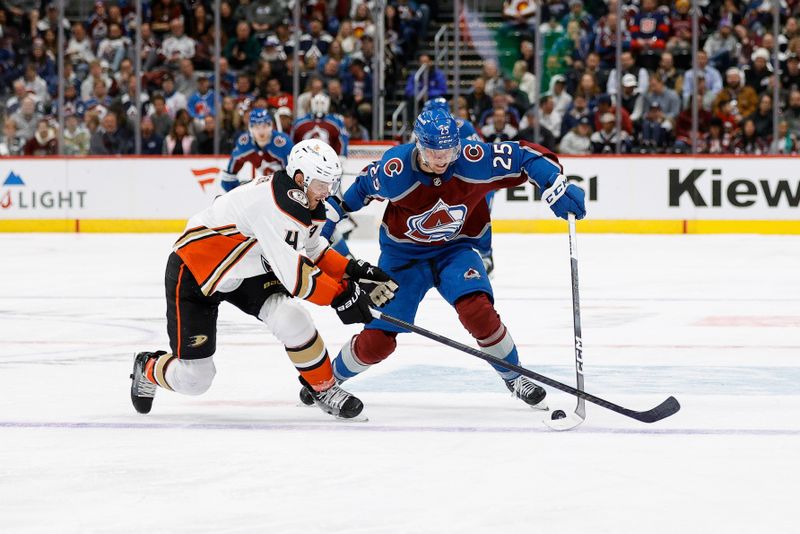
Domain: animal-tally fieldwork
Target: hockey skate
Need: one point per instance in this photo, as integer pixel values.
(488, 264)
(531, 394)
(142, 390)
(334, 401)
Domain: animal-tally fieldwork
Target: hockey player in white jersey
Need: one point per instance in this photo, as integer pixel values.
(260, 248)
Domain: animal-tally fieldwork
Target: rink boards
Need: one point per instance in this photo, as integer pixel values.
(644, 194)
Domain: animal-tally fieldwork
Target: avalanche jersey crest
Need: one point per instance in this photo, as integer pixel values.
(440, 223)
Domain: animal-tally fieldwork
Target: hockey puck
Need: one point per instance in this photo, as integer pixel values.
(558, 414)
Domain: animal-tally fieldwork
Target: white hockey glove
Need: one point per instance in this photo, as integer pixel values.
(373, 280)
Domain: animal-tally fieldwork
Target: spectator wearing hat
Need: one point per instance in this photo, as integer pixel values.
(110, 139)
(152, 143)
(722, 46)
(578, 139)
(629, 67)
(735, 90)
(757, 74)
(284, 120)
(713, 79)
(656, 129)
(562, 100)
(527, 131)
(604, 140)
(630, 99)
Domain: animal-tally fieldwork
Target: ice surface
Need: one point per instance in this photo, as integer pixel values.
(713, 320)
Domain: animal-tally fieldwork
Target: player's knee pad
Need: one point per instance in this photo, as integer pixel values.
(373, 346)
(191, 377)
(288, 320)
(476, 312)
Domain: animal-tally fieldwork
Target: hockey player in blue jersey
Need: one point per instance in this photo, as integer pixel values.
(264, 148)
(436, 216)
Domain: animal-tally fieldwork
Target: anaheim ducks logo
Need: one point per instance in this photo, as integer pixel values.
(440, 223)
(298, 196)
(196, 341)
(473, 153)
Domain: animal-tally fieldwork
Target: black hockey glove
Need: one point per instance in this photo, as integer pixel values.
(352, 304)
(373, 280)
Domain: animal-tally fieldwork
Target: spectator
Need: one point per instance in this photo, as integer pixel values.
(498, 130)
(437, 81)
(547, 114)
(604, 141)
(578, 110)
(683, 123)
(43, 142)
(528, 131)
(160, 115)
(722, 46)
(747, 141)
(680, 40)
(276, 96)
(76, 136)
(520, 16)
(314, 86)
(762, 117)
(114, 47)
(717, 140)
(11, 142)
(152, 143)
(712, 77)
(283, 119)
(588, 89)
(340, 102)
(500, 100)
(792, 112)
(758, 73)
(604, 107)
(655, 130)
(264, 15)
(109, 139)
(478, 100)
(35, 84)
(201, 103)
(162, 15)
(186, 79)
(650, 29)
(179, 142)
(605, 42)
(243, 49)
(358, 82)
(578, 139)
(526, 80)
(629, 67)
(316, 42)
(24, 15)
(671, 76)
(668, 100)
(96, 72)
(178, 45)
(15, 101)
(735, 90)
(790, 77)
(631, 100)
(786, 142)
(175, 101)
(26, 118)
(492, 77)
(205, 137)
(355, 131)
(561, 98)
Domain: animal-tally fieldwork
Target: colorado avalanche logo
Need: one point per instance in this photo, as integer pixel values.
(279, 141)
(440, 223)
(393, 167)
(473, 153)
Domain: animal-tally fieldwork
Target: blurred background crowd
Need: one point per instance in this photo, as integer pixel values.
(568, 96)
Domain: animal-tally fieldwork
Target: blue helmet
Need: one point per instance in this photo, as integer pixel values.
(436, 103)
(260, 116)
(437, 136)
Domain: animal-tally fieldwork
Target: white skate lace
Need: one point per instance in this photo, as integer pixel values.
(522, 387)
(144, 388)
(334, 397)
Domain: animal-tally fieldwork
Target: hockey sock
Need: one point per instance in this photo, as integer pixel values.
(501, 346)
(477, 314)
(364, 350)
(156, 369)
(346, 365)
(311, 360)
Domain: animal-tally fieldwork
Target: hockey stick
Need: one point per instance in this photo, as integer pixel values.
(662, 411)
(580, 410)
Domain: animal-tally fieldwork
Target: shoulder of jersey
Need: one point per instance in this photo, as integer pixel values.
(473, 151)
(244, 140)
(292, 201)
(281, 140)
(396, 169)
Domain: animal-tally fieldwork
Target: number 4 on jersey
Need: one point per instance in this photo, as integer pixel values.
(291, 238)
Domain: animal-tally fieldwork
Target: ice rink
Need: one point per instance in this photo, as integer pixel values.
(713, 320)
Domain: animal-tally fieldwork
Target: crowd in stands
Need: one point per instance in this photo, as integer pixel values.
(178, 115)
(578, 98)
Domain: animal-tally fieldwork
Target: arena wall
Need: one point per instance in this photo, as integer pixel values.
(646, 194)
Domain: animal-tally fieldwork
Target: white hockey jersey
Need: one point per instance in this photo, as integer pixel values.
(259, 227)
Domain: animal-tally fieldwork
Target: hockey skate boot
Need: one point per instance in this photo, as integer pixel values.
(531, 394)
(488, 264)
(305, 396)
(334, 401)
(142, 389)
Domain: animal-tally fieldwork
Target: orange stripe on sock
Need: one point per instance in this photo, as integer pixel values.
(320, 378)
(178, 308)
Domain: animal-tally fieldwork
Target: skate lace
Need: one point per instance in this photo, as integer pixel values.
(523, 388)
(144, 388)
(334, 397)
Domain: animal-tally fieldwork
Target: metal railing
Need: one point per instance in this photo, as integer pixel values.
(400, 117)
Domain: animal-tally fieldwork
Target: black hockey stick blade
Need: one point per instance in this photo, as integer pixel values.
(662, 411)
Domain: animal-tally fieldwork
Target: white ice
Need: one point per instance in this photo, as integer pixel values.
(713, 320)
